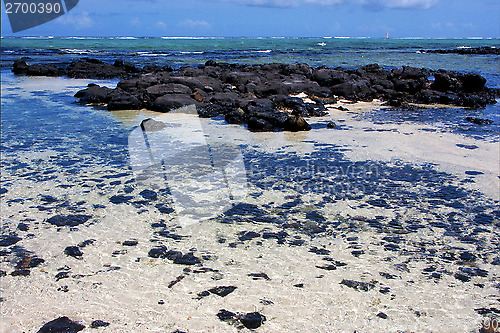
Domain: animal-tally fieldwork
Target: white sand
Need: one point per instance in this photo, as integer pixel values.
(128, 298)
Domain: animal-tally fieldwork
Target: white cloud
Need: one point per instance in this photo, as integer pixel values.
(194, 24)
(418, 4)
(78, 21)
(135, 22)
(161, 25)
(410, 4)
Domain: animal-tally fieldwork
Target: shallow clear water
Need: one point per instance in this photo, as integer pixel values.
(403, 199)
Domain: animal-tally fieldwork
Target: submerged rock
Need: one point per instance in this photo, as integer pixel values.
(68, 220)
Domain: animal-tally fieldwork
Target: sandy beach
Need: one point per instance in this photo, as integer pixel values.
(362, 227)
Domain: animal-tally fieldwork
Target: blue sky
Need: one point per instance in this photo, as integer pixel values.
(254, 18)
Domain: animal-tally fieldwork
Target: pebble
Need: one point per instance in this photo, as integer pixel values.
(99, 323)
(252, 320)
(382, 315)
(259, 276)
(363, 286)
(462, 277)
(248, 235)
(130, 243)
(73, 251)
(225, 315)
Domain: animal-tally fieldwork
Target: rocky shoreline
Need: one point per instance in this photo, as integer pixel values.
(259, 95)
(466, 50)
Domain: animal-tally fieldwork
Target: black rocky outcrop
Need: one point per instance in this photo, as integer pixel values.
(259, 95)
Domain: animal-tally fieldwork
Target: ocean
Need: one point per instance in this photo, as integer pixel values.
(326, 51)
(388, 222)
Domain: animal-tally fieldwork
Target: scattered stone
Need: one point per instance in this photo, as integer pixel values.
(248, 235)
(219, 291)
(471, 147)
(462, 277)
(68, 220)
(176, 256)
(119, 199)
(225, 315)
(99, 323)
(27, 261)
(474, 271)
(21, 272)
(388, 276)
(86, 243)
(130, 243)
(467, 256)
(382, 315)
(319, 251)
(177, 280)
(259, 276)
(362, 286)
(8, 240)
(23, 227)
(327, 267)
(252, 320)
(73, 251)
(62, 275)
(222, 291)
(61, 325)
(385, 290)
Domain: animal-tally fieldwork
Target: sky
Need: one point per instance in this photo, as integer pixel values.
(273, 18)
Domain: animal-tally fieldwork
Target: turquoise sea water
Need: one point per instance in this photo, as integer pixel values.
(331, 52)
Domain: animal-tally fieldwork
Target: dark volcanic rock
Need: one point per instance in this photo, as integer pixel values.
(225, 315)
(94, 94)
(259, 276)
(176, 256)
(258, 95)
(61, 325)
(99, 323)
(8, 240)
(363, 286)
(169, 88)
(248, 235)
(252, 320)
(222, 291)
(73, 251)
(171, 102)
(124, 101)
(68, 220)
(479, 121)
(467, 51)
(21, 272)
(151, 125)
(219, 291)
